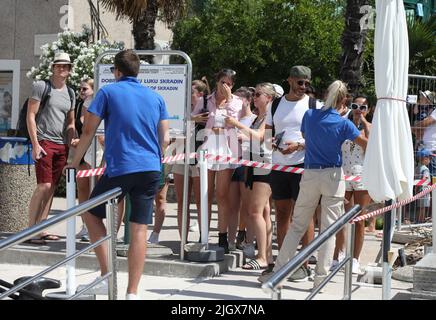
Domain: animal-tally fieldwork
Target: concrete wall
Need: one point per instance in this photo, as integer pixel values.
(28, 24)
(20, 21)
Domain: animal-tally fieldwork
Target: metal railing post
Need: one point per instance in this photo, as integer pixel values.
(387, 270)
(71, 233)
(202, 162)
(276, 294)
(433, 211)
(111, 248)
(348, 280)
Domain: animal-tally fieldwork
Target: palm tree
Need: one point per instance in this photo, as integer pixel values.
(353, 45)
(422, 48)
(143, 15)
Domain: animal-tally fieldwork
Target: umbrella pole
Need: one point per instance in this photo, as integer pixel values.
(387, 270)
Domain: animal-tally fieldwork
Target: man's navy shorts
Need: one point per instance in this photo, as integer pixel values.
(141, 187)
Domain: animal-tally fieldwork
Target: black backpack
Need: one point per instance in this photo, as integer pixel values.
(22, 118)
(275, 105)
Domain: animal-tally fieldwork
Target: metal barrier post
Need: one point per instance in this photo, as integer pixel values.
(387, 270)
(111, 248)
(348, 280)
(71, 233)
(276, 294)
(204, 197)
(400, 218)
(433, 219)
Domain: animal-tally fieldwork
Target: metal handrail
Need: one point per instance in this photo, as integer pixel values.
(271, 285)
(77, 210)
(67, 214)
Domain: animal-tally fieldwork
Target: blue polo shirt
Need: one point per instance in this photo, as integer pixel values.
(324, 132)
(131, 114)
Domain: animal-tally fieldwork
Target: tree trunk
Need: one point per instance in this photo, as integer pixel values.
(144, 28)
(353, 44)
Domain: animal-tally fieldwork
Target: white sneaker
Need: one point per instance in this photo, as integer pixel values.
(99, 288)
(249, 251)
(356, 266)
(82, 232)
(341, 257)
(131, 296)
(194, 227)
(154, 238)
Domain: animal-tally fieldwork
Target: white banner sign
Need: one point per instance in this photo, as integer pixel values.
(167, 80)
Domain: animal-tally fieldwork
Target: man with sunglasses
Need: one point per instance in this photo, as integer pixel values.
(285, 118)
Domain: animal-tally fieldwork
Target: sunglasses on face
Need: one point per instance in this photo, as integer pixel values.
(355, 106)
(83, 89)
(112, 69)
(258, 94)
(302, 82)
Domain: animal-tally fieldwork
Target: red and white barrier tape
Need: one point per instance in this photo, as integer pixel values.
(100, 171)
(242, 162)
(395, 205)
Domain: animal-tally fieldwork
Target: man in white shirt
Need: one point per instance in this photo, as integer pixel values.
(286, 117)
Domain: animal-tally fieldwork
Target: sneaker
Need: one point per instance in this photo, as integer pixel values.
(85, 238)
(232, 246)
(154, 238)
(99, 288)
(240, 238)
(300, 275)
(341, 257)
(356, 266)
(312, 260)
(82, 232)
(194, 227)
(249, 251)
(132, 296)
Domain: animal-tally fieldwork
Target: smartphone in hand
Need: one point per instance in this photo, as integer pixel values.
(278, 139)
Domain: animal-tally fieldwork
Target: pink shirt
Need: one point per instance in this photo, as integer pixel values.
(232, 108)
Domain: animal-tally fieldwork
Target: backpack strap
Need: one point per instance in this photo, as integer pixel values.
(71, 94)
(274, 106)
(45, 95)
(312, 103)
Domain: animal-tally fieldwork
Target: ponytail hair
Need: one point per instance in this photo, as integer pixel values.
(337, 91)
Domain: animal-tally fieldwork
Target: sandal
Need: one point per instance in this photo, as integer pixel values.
(50, 237)
(253, 265)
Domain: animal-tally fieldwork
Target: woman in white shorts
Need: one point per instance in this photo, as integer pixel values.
(352, 164)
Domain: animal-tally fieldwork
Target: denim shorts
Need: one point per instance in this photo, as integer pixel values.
(140, 186)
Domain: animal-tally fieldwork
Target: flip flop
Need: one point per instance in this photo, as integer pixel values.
(50, 237)
(253, 265)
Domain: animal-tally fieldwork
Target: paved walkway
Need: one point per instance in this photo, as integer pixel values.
(234, 284)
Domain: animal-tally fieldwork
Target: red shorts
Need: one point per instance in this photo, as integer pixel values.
(49, 168)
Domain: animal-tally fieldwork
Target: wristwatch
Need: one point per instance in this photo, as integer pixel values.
(300, 147)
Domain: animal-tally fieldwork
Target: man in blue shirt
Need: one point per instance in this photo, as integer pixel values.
(324, 131)
(136, 133)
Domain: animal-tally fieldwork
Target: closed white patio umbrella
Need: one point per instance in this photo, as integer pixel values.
(389, 166)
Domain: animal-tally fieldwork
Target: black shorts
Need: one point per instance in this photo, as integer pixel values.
(238, 175)
(141, 187)
(256, 175)
(285, 185)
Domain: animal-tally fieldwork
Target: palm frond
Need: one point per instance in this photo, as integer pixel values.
(170, 10)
